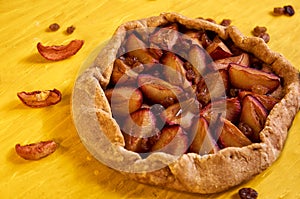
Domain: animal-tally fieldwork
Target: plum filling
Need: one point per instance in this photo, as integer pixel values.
(180, 90)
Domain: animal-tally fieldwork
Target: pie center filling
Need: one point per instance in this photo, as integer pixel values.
(181, 90)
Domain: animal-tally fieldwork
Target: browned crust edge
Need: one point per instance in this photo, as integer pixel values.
(190, 172)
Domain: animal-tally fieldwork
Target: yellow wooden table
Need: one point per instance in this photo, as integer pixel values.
(71, 172)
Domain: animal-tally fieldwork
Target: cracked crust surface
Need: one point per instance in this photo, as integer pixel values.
(190, 172)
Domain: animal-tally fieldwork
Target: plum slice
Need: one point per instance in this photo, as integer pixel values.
(197, 57)
(267, 101)
(253, 117)
(173, 69)
(173, 140)
(123, 73)
(181, 113)
(252, 79)
(140, 131)
(212, 86)
(242, 59)
(124, 100)
(231, 107)
(165, 37)
(203, 143)
(158, 91)
(231, 136)
(218, 50)
(137, 48)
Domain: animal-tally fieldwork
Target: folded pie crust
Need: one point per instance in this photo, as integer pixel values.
(190, 172)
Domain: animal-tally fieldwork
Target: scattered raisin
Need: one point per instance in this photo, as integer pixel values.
(54, 27)
(285, 10)
(289, 10)
(259, 30)
(225, 22)
(278, 11)
(70, 29)
(248, 193)
(265, 37)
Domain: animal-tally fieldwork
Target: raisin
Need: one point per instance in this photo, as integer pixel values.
(54, 27)
(278, 11)
(258, 30)
(233, 92)
(261, 32)
(225, 22)
(248, 193)
(289, 10)
(265, 37)
(70, 29)
(190, 75)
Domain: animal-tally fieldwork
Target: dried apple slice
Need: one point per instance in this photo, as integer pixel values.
(158, 91)
(202, 143)
(254, 116)
(231, 107)
(267, 101)
(38, 99)
(57, 53)
(242, 59)
(36, 151)
(137, 48)
(139, 130)
(218, 50)
(124, 100)
(231, 136)
(252, 79)
(173, 140)
(174, 71)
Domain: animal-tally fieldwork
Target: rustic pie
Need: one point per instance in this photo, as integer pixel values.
(186, 104)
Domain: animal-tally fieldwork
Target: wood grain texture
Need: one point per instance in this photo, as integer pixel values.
(71, 172)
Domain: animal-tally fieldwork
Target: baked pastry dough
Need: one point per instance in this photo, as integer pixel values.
(190, 172)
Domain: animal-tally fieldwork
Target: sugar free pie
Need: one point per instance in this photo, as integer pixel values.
(186, 104)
